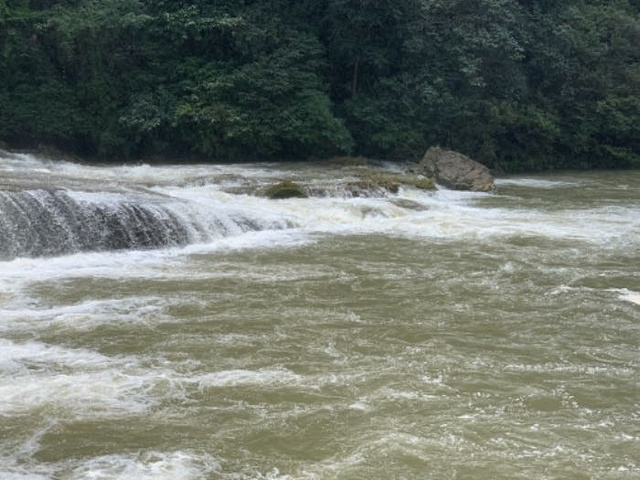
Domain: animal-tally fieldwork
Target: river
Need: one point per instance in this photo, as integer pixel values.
(160, 322)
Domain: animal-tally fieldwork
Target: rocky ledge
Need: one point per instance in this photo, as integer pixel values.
(365, 183)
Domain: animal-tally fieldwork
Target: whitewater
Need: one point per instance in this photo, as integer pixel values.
(168, 321)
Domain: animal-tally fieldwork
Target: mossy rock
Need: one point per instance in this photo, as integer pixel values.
(376, 182)
(409, 204)
(385, 181)
(421, 183)
(373, 184)
(285, 189)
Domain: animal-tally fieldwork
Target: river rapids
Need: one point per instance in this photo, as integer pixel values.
(168, 322)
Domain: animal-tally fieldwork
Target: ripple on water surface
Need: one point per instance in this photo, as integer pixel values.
(485, 337)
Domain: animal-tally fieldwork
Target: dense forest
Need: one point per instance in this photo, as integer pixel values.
(516, 84)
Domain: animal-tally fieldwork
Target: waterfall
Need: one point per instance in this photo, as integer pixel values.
(40, 222)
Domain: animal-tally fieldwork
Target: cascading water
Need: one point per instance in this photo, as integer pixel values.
(47, 222)
(170, 323)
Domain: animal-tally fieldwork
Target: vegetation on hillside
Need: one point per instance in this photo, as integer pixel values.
(515, 84)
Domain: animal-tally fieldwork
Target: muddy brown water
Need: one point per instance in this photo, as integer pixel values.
(484, 336)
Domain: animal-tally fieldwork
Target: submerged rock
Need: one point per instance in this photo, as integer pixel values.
(409, 204)
(456, 171)
(285, 189)
(364, 183)
(373, 184)
(377, 183)
(419, 182)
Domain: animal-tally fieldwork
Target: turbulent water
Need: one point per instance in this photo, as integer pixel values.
(165, 322)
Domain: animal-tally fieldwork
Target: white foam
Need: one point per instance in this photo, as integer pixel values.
(233, 378)
(141, 175)
(178, 465)
(85, 315)
(85, 395)
(623, 293)
(535, 183)
(7, 475)
(166, 263)
(37, 376)
(25, 357)
(99, 197)
(632, 297)
(146, 465)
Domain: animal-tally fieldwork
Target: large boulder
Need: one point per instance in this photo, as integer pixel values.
(455, 171)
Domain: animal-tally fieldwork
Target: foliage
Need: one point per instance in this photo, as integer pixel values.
(518, 85)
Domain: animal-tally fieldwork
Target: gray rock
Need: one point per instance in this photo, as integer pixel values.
(455, 171)
(409, 204)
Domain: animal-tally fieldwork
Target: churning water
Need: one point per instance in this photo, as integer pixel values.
(164, 322)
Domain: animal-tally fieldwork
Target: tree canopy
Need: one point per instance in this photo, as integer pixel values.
(516, 84)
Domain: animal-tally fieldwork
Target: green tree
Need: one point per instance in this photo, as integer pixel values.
(517, 84)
